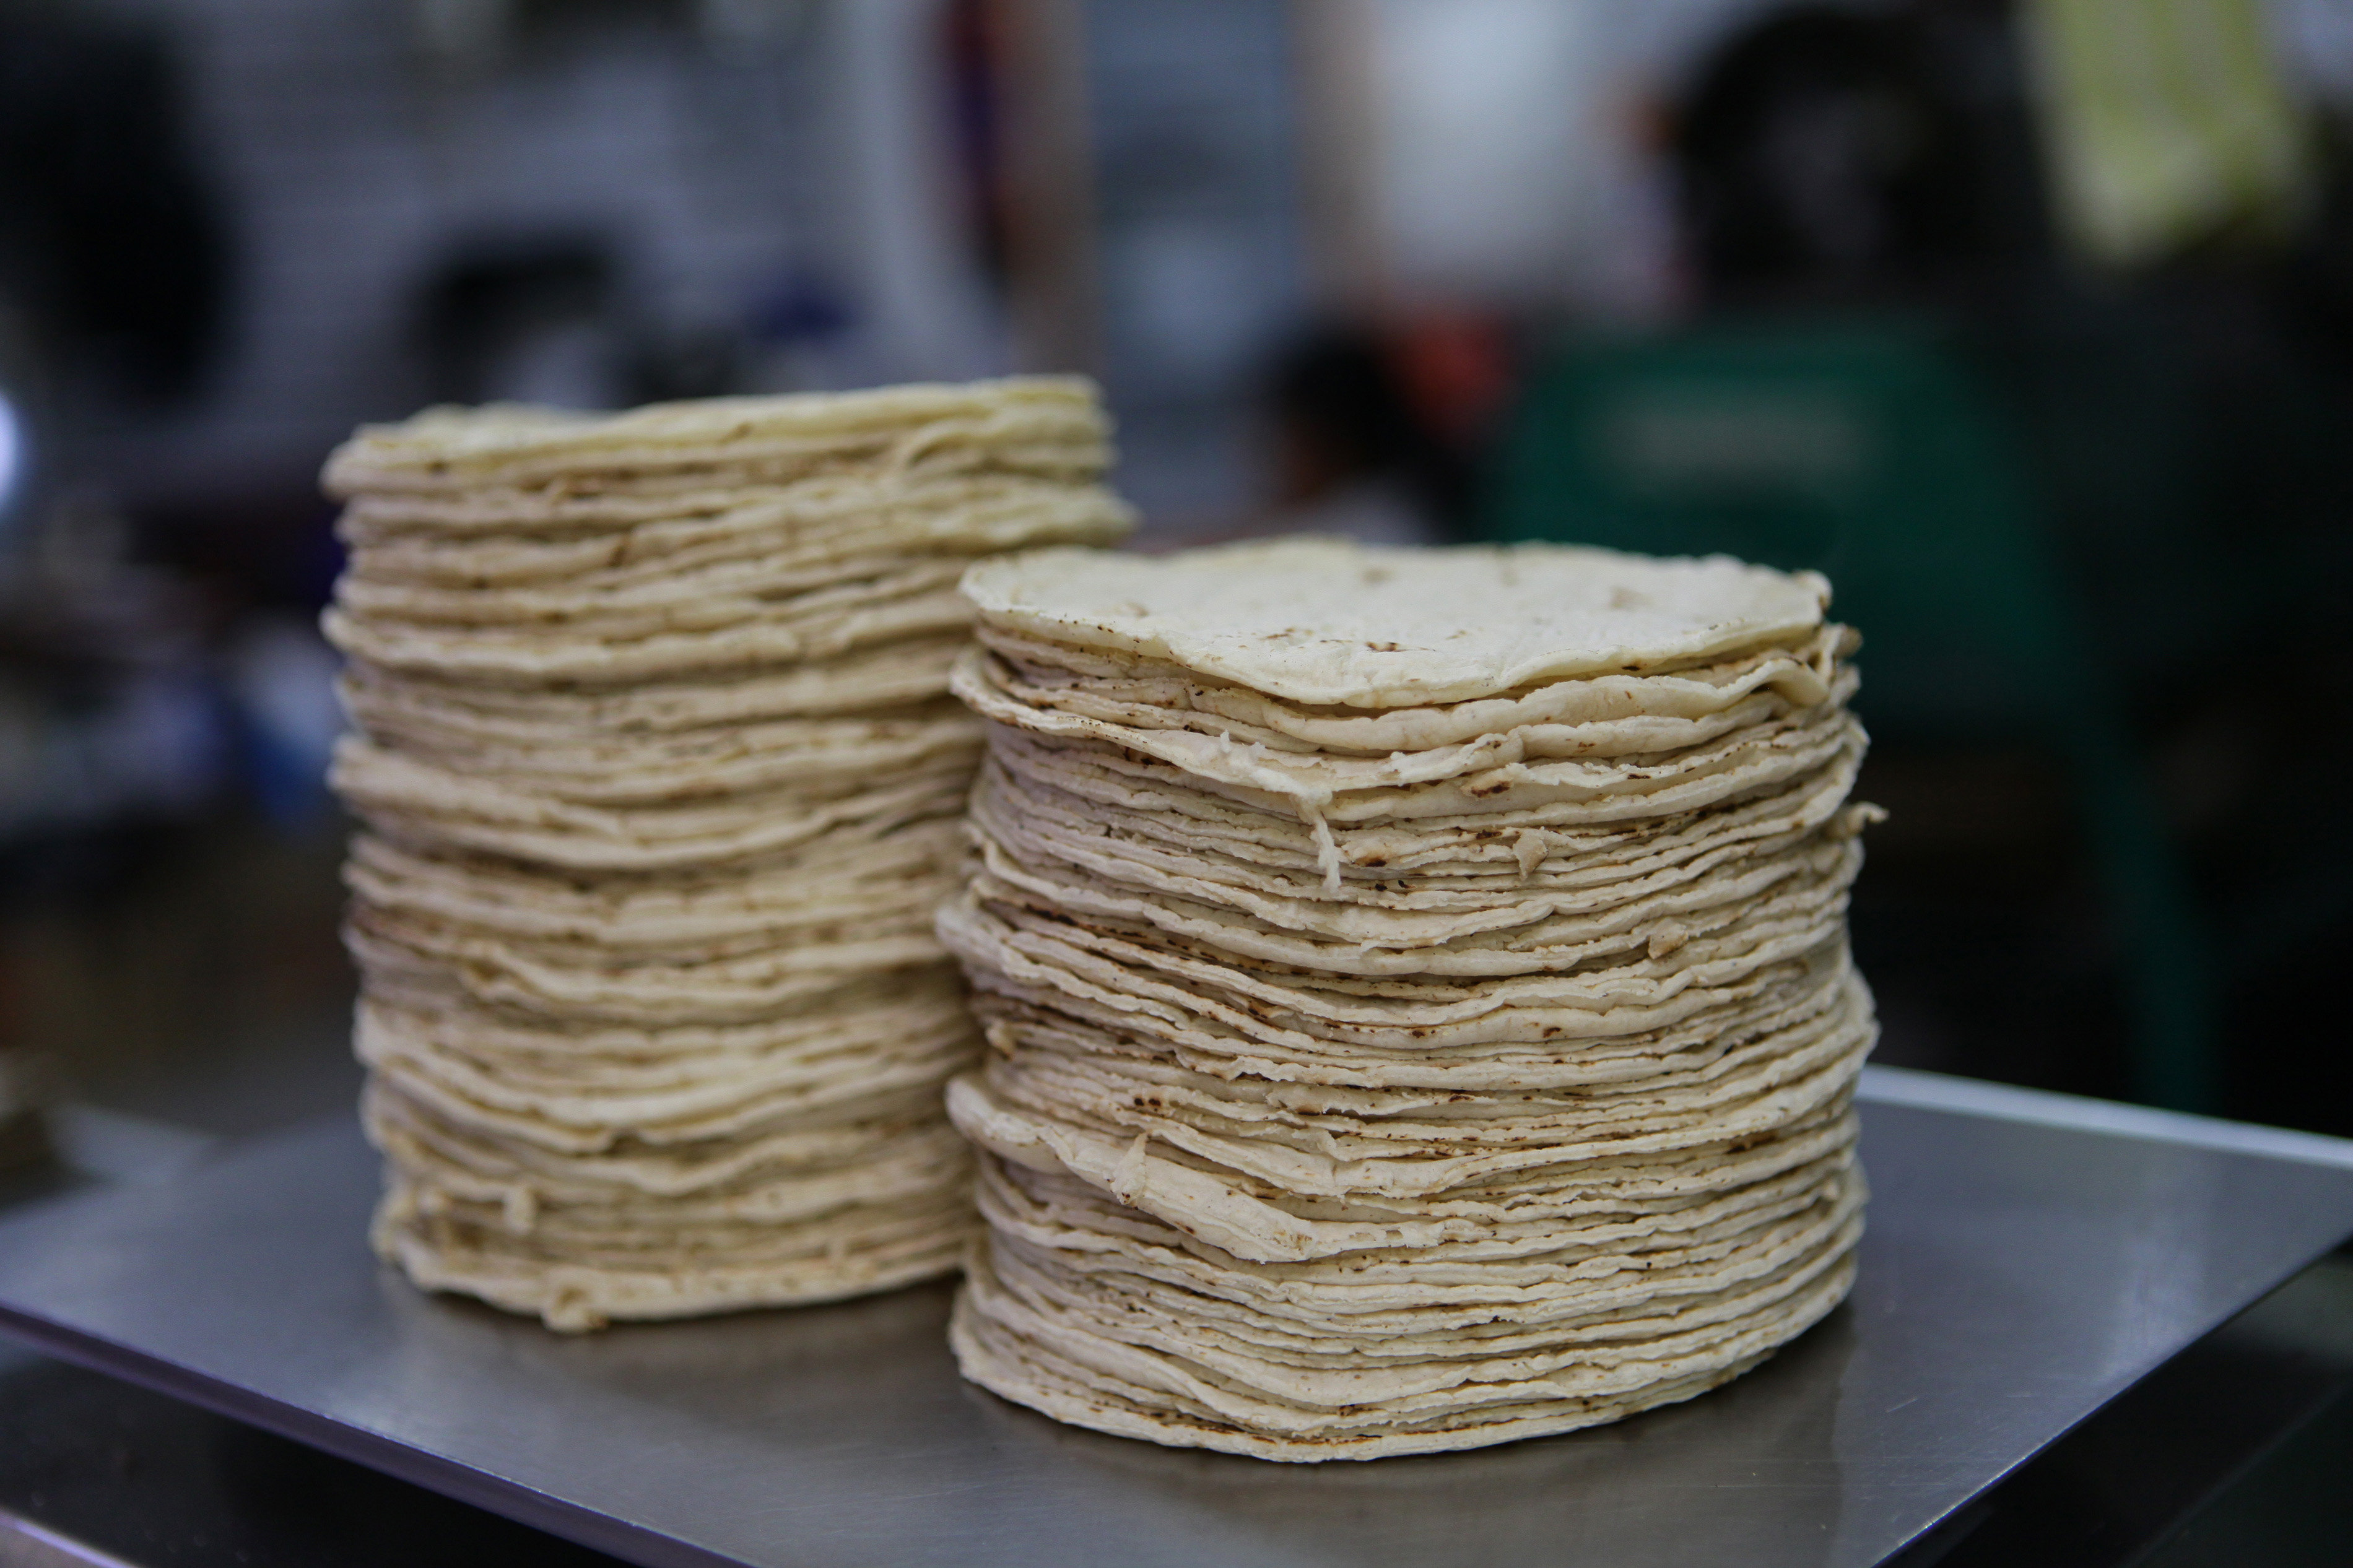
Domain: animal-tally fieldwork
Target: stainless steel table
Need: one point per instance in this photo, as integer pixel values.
(2030, 1256)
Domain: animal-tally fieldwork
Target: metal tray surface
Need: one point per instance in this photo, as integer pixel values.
(2029, 1258)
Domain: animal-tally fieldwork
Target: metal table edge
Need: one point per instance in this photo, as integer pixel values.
(466, 1483)
(1916, 1090)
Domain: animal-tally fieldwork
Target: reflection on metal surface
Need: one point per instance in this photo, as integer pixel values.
(2231, 1453)
(118, 1146)
(2016, 1276)
(23, 1544)
(125, 1471)
(12, 451)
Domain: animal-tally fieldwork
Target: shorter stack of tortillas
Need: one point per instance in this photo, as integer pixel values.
(660, 785)
(1416, 988)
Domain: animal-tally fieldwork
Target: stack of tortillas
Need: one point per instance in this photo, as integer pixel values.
(660, 784)
(1417, 987)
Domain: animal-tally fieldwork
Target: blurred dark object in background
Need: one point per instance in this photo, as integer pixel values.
(133, 710)
(1352, 454)
(534, 322)
(1823, 157)
(544, 320)
(113, 257)
(111, 241)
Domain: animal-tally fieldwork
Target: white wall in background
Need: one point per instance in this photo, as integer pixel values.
(1486, 155)
(1509, 159)
(352, 154)
(886, 112)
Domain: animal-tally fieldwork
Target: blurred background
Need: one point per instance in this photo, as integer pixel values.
(2031, 321)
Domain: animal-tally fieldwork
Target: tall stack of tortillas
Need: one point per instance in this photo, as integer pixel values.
(660, 786)
(1417, 987)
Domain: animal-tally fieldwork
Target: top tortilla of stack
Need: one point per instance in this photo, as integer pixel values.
(1329, 622)
(466, 449)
